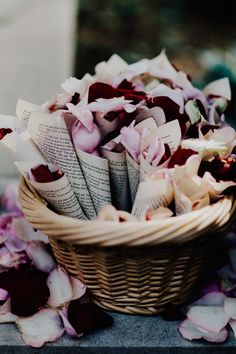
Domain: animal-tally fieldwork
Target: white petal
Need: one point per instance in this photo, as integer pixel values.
(219, 87)
(40, 256)
(230, 307)
(210, 318)
(78, 288)
(25, 232)
(60, 288)
(44, 326)
(190, 331)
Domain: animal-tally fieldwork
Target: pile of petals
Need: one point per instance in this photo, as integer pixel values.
(36, 294)
(210, 317)
(138, 137)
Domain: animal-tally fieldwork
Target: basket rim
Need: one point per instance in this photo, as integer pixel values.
(175, 229)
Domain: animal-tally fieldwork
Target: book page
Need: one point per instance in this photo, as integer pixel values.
(133, 169)
(57, 193)
(151, 195)
(118, 179)
(96, 173)
(24, 110)
(52, 137)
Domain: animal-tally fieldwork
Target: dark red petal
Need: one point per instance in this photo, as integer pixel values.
(27, 288)
(29, 296)
(170, 108)
(42, 174)
(100, 90)
(86, 318)
(221, 169)
(4, 131)
(166, 155)
(180, 156)
(75, 99)
(206, 128)
(125, 85)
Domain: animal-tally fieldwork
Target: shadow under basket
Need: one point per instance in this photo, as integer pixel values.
(133, 267)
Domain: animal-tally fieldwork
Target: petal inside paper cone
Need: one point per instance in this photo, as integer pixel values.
(222, 169)
(4, 131)
(42, 174)
(180, 156)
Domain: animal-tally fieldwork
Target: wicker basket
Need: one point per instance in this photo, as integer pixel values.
(133, 267)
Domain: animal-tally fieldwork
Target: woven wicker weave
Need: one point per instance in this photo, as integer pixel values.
(133, 267)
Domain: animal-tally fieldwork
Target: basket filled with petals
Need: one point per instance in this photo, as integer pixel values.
(131, 173)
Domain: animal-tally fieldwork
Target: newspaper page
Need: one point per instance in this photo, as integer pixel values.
(151, 195)
(24, 110)
(118, 179)
(96, 173)
(57, 193)
(53, 139)
(133, 169)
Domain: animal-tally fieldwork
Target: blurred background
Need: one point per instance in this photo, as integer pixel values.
(43, 42)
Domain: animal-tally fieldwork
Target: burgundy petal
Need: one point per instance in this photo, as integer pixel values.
(29, 296)
(127, 90)
(206, 128)
(4, 131)
(86, 318)
(180, 156)
(100, 90)
(43, 174)
(222, 169)
(27, 289)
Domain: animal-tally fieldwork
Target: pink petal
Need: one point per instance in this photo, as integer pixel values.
(5, 313)
(45, 326)
(3, 294)
(78, 288)
(214, 298)
(7, 259)
(25, 232)
(131, 140)
(68, 327)
(210, 318)
(57, 102)
(230, 307)
(190, 331)
(84, 115)
(104, 105)
(84, 139)
(13, 243)
(60, 288)
(220, 88)
(41, 258)
(10, 197)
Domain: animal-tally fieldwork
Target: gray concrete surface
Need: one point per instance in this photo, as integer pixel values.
(129, 334)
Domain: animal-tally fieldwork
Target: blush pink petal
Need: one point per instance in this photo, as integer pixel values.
(78, 288)
(5, 313)
(210, 318)
(84, 115)
(45, 326)
(213, 298)
(85, 140)
(25, 232)
(104, 105)
(3, 294)
(131, 140)
(219, 87)
(9, 199)
(38, 252)
(190, 331)
(60, 288)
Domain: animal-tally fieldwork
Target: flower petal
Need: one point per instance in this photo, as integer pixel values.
(210, 318)
(41, 258)
(25, 232)
(219, 87)
(60, 288)
(230, 307)
(69, 329)
(190, 331)
(5, 313)
(9, 199)
(44, 326)
(78, 288)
